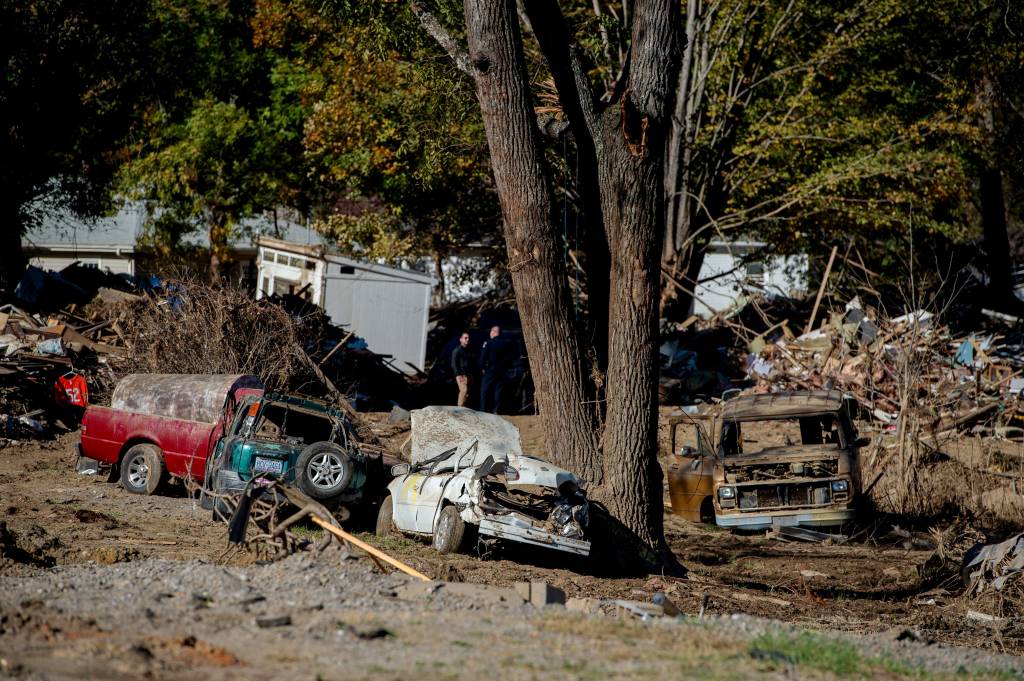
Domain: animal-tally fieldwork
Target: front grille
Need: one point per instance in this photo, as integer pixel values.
(784, 496)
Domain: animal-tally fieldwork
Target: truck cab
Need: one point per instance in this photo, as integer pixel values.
(766, 460)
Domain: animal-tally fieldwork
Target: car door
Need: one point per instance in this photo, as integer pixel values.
(691, 472)
(404, 499)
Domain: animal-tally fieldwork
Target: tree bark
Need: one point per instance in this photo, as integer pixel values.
(13, 262)
(632, 195)
(996, 238)
(535, 261)
(218, 236)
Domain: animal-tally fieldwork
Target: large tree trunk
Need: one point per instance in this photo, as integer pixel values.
(632, 199)
(535, 261)
(996, 239)
(633, 208)
(13, 262)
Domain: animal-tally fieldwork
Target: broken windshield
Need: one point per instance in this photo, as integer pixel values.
(750, 438)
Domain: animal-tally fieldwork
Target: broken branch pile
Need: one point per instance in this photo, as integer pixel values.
(81, 330)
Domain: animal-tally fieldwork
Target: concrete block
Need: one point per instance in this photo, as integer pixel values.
(542, 593)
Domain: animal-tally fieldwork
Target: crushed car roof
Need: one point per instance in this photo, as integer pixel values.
(782, 404)
(438, 428)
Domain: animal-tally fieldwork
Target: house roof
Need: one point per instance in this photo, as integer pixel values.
(322, 251)
(61, 230)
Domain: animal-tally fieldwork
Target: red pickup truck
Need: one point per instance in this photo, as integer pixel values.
(162, 424)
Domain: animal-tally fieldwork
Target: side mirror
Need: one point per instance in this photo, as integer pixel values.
(399, 469)
(689, 451)
(862, 442)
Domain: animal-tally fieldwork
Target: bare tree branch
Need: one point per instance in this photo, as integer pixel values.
(443, 37)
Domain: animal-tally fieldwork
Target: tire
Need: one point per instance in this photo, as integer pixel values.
(323, 470)
(450, 532)
(386, 519)
(143, 470)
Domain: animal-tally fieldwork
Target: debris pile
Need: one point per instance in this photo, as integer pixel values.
(994, 576)
(68, 336)
(890, 364)
(49, 367)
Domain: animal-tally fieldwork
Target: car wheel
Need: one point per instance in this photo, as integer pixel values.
(142, 469)
(386, 518)
(450, 531)
(323, 470)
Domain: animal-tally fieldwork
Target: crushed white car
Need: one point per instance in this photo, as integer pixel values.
(469, 475)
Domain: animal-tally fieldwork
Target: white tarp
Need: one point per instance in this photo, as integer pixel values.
(436, 429)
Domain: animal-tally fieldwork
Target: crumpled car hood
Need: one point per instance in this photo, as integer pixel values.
(534, 471)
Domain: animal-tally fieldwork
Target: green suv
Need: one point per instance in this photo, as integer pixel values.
(296, 439)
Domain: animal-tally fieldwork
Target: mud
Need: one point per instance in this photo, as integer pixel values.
(86, 569)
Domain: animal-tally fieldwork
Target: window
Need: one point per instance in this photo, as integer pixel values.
(282, 259)
(278, 422)
(346, 269)
(296, 262)
(755, 272)
(268, 256)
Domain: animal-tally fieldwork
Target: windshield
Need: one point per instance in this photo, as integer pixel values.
(749, 438)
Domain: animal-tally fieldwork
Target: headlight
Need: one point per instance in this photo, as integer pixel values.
(726, 492)
(840, 486)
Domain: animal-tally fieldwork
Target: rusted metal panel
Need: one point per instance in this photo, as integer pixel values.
(192, 397)
(781, 405)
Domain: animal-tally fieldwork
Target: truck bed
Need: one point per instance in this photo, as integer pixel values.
(107, 433)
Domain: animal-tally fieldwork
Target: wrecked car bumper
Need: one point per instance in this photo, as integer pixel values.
(765, 521)
(514, 529)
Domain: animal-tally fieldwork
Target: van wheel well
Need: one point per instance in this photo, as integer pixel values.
(707, 510)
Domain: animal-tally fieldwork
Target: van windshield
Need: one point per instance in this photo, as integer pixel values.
(749, 438)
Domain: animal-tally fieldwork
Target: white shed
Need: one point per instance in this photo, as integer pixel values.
(387, 306)
(733, 269)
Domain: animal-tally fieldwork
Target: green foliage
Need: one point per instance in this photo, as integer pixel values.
(865, 132)
(222, 138)
(73, 74)
(394, 143)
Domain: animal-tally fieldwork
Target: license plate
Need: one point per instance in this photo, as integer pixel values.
(264, 465)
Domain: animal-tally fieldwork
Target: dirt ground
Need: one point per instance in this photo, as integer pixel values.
(83, 524)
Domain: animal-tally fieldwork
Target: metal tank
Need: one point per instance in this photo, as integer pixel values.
(192, 397)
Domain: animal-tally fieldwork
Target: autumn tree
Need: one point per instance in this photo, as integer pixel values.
(221, 139)
(394, 143)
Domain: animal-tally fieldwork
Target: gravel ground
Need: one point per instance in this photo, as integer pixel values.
(170, 619)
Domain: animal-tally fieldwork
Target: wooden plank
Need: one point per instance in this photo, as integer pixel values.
(376, 553)
(821, 290)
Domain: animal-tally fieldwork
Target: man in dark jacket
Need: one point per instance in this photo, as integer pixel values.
(463, 366)
(495, 360)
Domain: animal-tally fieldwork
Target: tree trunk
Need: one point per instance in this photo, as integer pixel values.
(633, 206)
(440, 294)
(535, 260)
(219, 252)
(996, 239)
(13, 262)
